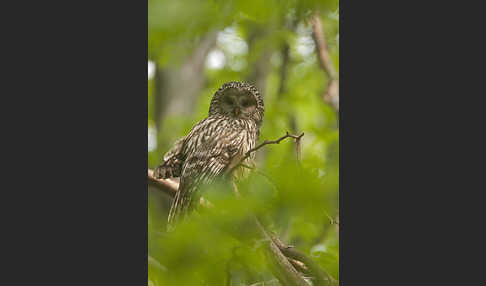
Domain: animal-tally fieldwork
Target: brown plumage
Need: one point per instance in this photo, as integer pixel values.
(214, 144)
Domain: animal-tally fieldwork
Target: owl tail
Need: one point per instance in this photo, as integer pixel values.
(179, 209)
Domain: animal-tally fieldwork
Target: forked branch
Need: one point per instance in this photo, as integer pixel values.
(266, 142)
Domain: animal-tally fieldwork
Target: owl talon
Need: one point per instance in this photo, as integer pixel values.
(163, 172)
(159, 172)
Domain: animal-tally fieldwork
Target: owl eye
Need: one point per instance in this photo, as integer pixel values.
(228, 100)
(246, 103)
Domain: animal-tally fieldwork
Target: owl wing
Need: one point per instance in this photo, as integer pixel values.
(208, 153)
(172, 162)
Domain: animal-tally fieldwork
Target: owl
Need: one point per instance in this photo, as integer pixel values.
(214, 145)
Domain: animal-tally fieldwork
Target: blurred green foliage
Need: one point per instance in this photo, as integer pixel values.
(296, 200)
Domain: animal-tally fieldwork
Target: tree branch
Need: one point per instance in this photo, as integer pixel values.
(284, 270)
(298, 148)
(167, 186)
(266, 142)
(321, 277)
(331, 95)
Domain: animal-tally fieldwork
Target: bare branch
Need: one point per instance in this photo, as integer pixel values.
(298, 148)
(323, 53)
(321, 277)
(155, 263)
(167, 186)
(267, 283)
(331, 95)
(283, 269)
(170, 188)
(266, 142)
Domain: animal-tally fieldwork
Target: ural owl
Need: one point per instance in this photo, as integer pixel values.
(214, 145)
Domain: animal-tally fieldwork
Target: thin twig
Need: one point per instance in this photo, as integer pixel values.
(254, 169)
(298, 148)
(331, 220)
(157, 264)
(266, 283)
(266, 142)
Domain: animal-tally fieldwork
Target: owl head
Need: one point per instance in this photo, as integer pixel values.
(238, 100)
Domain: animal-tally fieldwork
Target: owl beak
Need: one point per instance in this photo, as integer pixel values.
(237, 111)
